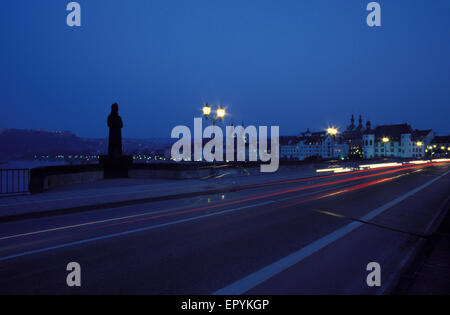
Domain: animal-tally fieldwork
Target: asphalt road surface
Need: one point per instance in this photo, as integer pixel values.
(306, 236)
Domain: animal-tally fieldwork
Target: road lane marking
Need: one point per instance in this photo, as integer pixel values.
(333, 214)
(222, 175)
(207, 177)
(254, 279)
(153, 227)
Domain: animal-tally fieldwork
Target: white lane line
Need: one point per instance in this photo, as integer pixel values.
(153, 227)
(249, 282)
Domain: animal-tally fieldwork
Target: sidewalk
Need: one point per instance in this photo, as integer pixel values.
(120, 192)
(429, 273)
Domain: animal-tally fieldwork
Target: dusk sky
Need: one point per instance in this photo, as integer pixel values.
(297, 64)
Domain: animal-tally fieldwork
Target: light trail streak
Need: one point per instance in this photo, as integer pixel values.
(187, 211)
(168, 213)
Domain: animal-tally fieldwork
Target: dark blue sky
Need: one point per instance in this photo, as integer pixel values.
(296, 64)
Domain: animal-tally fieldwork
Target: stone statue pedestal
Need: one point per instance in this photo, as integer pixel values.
(115, 166)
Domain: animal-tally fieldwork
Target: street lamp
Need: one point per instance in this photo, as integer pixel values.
(385, 140)
(332, 132)
(206, 110)
(219, 116)
(420, 144)
(220, 113)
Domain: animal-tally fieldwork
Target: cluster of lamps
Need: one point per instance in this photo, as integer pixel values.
(220, 112)
(332, 131)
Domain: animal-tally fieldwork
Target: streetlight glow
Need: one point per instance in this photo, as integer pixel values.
(221, 112)
(206, 110)
(419, 143)
(385, 139)
(332, 131)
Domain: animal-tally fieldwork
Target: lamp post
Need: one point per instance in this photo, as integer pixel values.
(419, 144)
(332, 132)
(385, 140)
(218, 116)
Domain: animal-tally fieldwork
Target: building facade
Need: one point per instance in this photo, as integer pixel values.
(359, 141)
(396, 141)
(318, 145)
(352, 135)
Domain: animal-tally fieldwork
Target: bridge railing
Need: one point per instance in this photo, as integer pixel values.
(14, 181)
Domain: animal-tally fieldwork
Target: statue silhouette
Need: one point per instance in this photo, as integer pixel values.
(115, 132)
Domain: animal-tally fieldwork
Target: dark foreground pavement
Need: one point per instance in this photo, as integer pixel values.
(307, 236)
(429, 272)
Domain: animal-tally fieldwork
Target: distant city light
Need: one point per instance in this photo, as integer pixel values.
(385, 139)
(441, 160)
(335, 170)
(379, 165)
(418, 162)
(419, 143)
